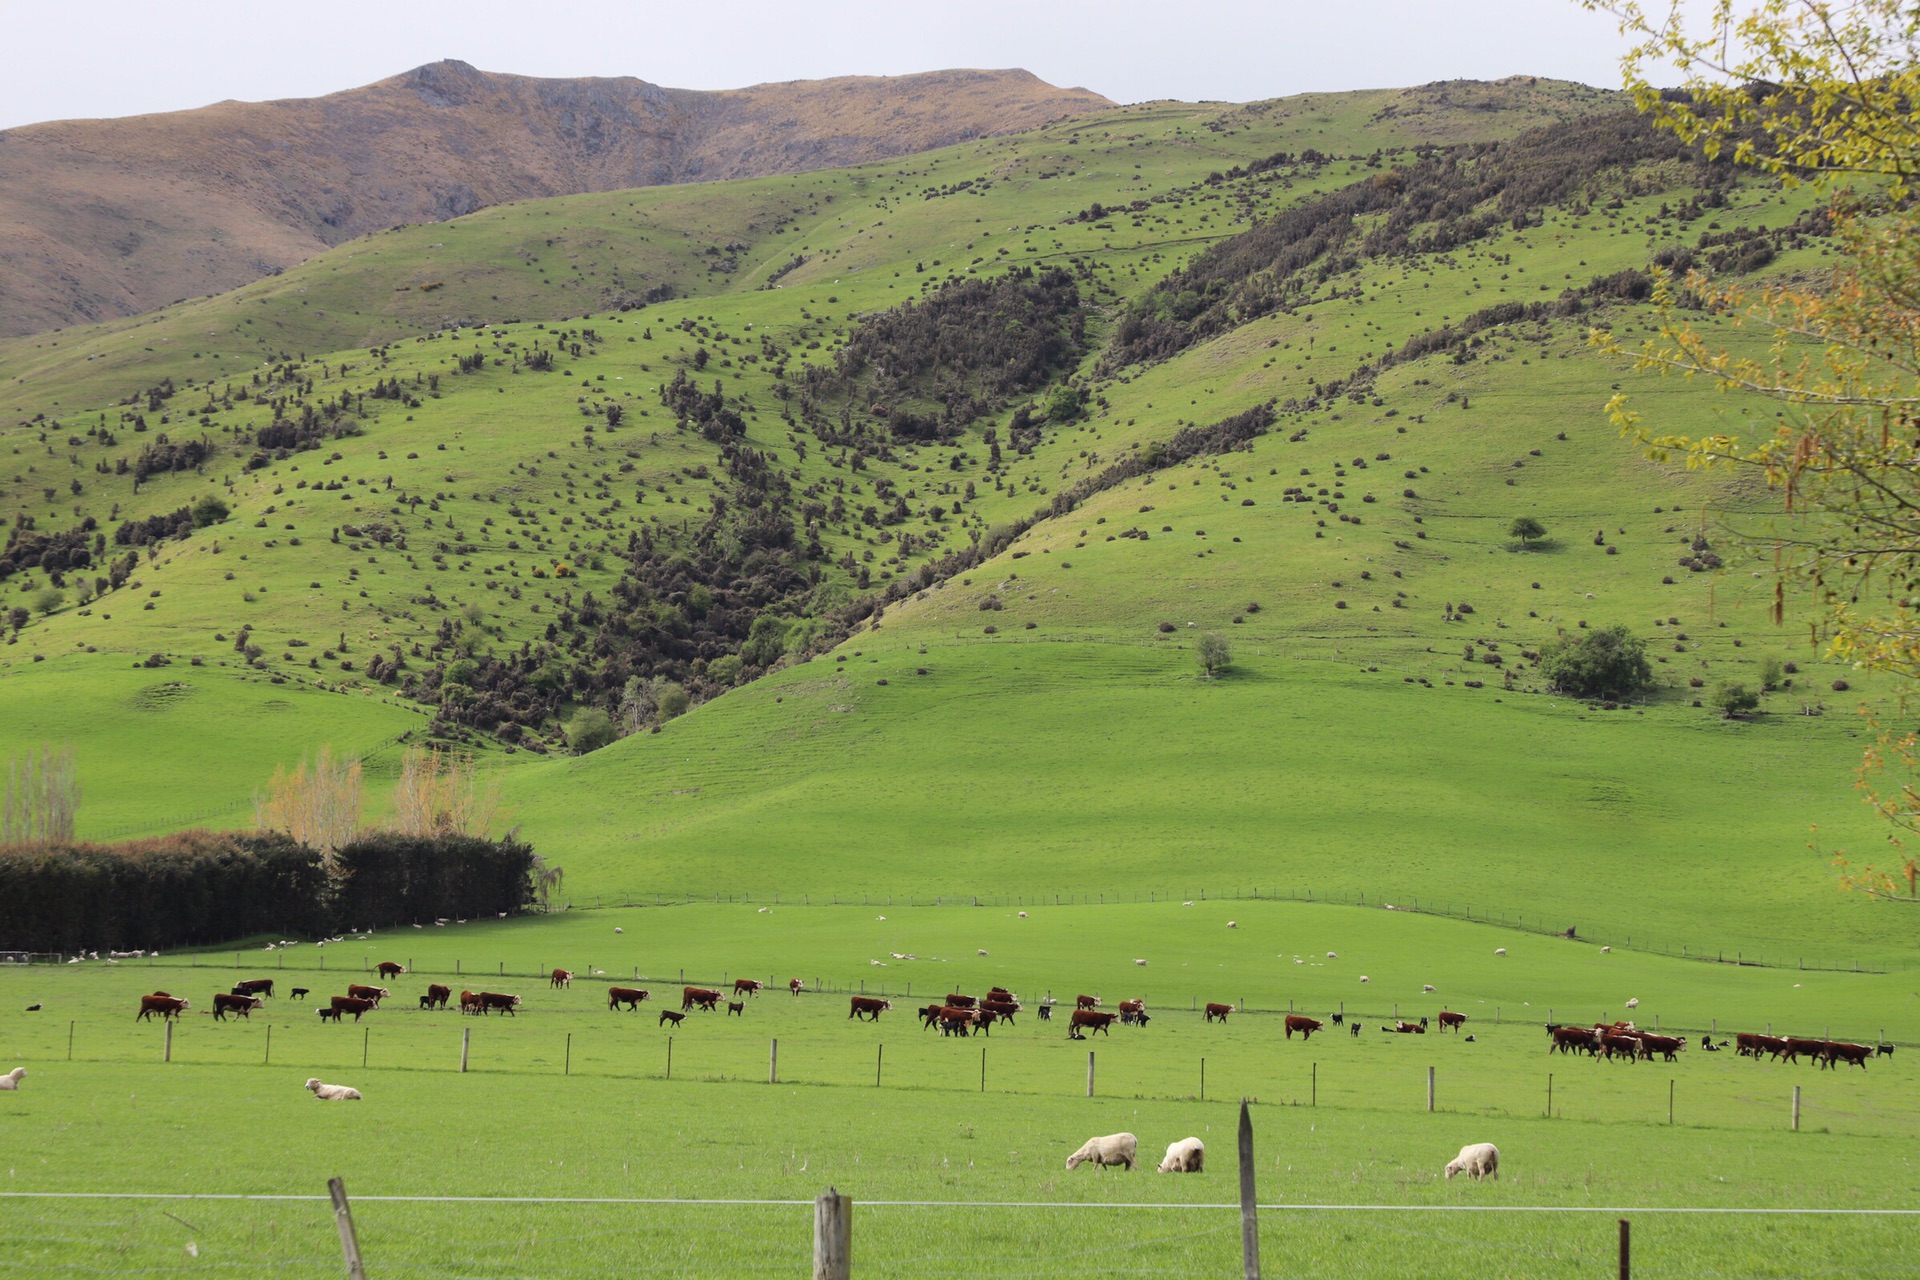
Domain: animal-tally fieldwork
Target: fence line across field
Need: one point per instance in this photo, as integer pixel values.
(1609, 935)
(1278, 1207)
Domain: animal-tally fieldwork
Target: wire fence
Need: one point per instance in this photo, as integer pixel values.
(1788, 955)
(159, 1233)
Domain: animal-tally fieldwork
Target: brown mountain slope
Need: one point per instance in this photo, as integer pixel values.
(101, 218)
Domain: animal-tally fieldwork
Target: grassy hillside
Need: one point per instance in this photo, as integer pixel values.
(1042, 726)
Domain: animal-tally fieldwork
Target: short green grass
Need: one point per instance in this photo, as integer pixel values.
(568, 1099)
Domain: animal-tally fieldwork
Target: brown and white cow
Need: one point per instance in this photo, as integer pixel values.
(165, 1005)
(1304, 1025)
(1574, 1039)
(746, 986)
(1799, 1045)
(470, 1002)
(1668, 1047)
(794, 985)
(1839, 1051)
(254, 987)
(703, 997)
(1451, 1021)
(354, 1005)
(1086, 1002)
(956, 1001)
(1089, 1020)
(491, 1000)
(436, 997)
(1002, 1009)
(225, 1003)
(560, 978)
(1617, 1045)
(628, 996)
(868, 1008)
(1217, 1011)
(955, 1022)
(388, 969)
(375, 994)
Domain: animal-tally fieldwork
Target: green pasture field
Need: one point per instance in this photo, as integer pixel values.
(570, 1100)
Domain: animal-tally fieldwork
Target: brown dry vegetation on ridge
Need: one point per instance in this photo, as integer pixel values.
(103, 218)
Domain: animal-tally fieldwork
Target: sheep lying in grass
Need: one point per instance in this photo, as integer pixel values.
(1476, 1160)
(1184, 1156)
(1115, 1148)
(332, 1092)
(12, 1079)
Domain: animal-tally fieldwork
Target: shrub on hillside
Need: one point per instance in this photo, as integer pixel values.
(1608, 662)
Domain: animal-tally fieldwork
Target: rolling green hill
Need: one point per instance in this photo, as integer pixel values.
(521, 500)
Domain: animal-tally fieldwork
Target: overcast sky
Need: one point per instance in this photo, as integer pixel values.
(61, 59)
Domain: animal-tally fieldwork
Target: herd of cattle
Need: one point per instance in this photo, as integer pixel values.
(1624, 1041)
(964, 1015)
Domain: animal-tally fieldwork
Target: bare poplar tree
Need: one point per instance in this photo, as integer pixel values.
(42, 796)
(319, 805)
(439, 793)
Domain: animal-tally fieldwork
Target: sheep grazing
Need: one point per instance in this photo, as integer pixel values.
(1023, 915)
(1365, 978)
(1332, 956)
(1141, 963)
(1115, 1148)
(1499, 951)
(333, 1092)
(1233, 924)
(1634, 1003)
(12, 1079)
(1185, 1156)
(1606, 951)
(1476, 1160)
(1427, 987)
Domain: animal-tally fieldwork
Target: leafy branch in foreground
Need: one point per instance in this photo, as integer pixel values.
(1828, 95)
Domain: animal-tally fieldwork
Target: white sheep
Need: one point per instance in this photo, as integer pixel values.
(1427, 987)
(1365, 978)
(1023, 915)
(1606, 951)
(1184, 1156)
(12, 1079)
(1499, 951)
(1634, 1003)
(982, 950)
(1476, 1160)
(1233, 924)
(1332, 956)
(332, 1092)
(1115, 1148)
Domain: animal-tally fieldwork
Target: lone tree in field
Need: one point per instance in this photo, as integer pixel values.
(1214, 653)
(1732, 699)
(1527, 529)
(1608, 663)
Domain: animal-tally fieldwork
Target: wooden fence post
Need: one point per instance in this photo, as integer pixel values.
(1249, 1210)
(1883, 1036)
(983, 1068)
(1796, 1108)
(832, 1236)
(1429, 1088)
(366, 1040)
(879, 1060)
(167, 1056)
(568, 1069)
(1626, 1250)
(1313, 1098)
(669, 1057)
(466, 1043)
(773, 1063)
(1090, 1076)
(343, 1219)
